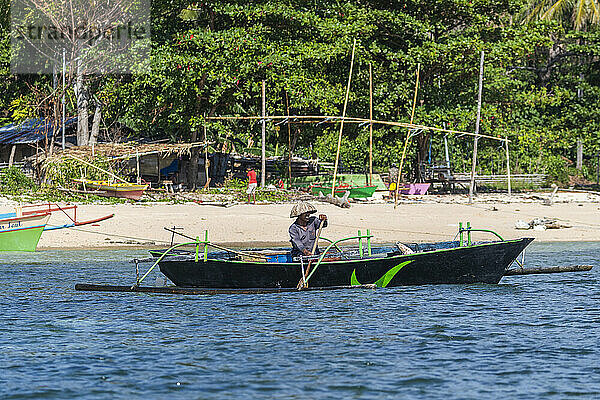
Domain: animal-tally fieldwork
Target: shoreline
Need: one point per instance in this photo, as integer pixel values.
(426, 218)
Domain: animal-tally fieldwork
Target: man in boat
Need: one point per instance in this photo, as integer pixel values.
(303, 232)
(252, 183)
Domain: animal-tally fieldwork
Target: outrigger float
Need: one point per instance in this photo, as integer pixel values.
(461, 261)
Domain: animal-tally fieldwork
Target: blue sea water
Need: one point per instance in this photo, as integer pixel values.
(529, 337)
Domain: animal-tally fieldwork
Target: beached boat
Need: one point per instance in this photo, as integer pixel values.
(304, 182)
(415, 188)
(117, 189)
(356, 192)
(412, 264)
(21, 232)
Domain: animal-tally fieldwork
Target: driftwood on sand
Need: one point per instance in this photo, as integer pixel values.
(541, 224)
(338, 201)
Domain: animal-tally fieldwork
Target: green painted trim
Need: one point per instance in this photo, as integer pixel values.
(353, 280)
(385, 279)
(484, 230)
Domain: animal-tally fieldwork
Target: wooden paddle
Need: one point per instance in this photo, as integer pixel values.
(302, 282)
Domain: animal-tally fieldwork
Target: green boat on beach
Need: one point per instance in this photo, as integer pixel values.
(327, 180)
(356, 192)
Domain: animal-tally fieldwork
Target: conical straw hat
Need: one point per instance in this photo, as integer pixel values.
(301, 208)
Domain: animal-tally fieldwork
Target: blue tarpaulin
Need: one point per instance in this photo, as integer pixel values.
(30, 131)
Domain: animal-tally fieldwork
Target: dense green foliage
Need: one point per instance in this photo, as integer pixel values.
(541, 86)
(13, 181)
(65, 171)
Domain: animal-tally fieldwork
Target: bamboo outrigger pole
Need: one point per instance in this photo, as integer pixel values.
(474, 163)
(370, 124)
(337, 156)
(412, 116)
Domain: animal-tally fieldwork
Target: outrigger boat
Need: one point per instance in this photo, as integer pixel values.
(356, 192)
(460, 261)
(452, 262)
(21, 230)
(130, 191)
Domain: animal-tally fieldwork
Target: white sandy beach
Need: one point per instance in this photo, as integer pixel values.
(416, 219)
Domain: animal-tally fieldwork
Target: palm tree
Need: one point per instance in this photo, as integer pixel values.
(579, 14)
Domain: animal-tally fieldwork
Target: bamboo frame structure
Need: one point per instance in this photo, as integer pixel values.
(320, 119)
(337, 156)
(351, 120)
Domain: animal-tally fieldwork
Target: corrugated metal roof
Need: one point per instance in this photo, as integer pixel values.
(29, 131)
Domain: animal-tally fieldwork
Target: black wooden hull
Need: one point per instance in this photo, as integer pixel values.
(482, 263)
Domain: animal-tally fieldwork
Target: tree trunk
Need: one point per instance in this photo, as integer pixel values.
(82, 109)
(192, 180)
(96, 124)
(56, 126)
(11, 159)
(554, 52)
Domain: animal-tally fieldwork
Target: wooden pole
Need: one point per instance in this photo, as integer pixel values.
(579, 164)
(508, 168)
(412, 116)
(548, 270)
(64, 71)
(597, 169)
(337, 155)
(158, 168)
(302, 283)
(11, 158)
(207, 181)
(263, 168)
(98, 168)
(370, 124)
(474, 163)
(446, 153)
(287, 106)
(311, 119)
(137, 167)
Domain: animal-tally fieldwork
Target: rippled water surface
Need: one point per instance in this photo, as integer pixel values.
(530, 337)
